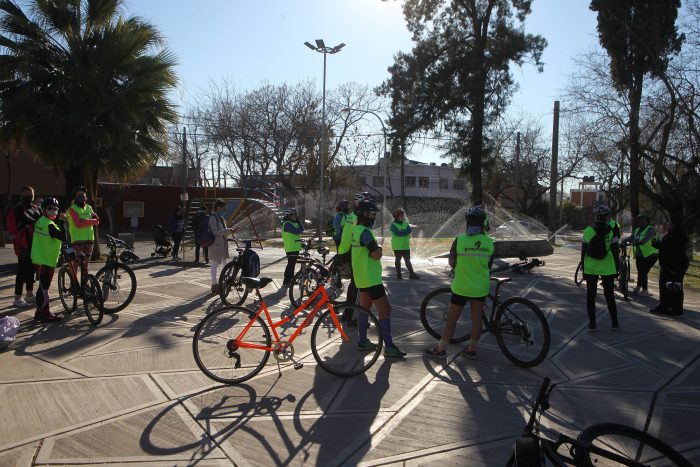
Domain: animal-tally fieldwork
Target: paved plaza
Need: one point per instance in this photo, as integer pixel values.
(128, 392)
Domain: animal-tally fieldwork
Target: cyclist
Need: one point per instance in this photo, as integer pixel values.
(81, 219)
(471, 257)
(344, 247)
(367, 271)
(46, 247)
(400, 243)
(20, 222)
(342, 208)
(600, 255)
(291, 235)
(645, 255)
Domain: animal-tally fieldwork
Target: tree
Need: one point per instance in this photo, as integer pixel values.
(639, 36)
(457, 77)
(84, 87)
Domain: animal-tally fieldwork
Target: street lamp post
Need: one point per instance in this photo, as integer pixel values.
(384, 190)
(322, 48)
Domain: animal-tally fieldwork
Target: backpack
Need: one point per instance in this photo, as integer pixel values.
(251, 263)
(597, 249)
(204, 236)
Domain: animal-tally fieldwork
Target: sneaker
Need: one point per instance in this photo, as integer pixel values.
(615, 326)
(413, 275)
(21, 303)
(592, 328)
(470, 354)
(393, 352)
(30, 299)
(366, 345)
(644, 293)
(434, 352)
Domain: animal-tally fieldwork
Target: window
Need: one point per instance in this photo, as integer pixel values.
(424, 182)
(444, 184)
(378, 181)
(410, 181)
(133, 208)
(458, 184)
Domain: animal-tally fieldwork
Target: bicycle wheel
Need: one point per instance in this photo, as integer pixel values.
(67, 290)
(118, 284)
(303, 285)
(522, 332)
(578, 277)
(231, 291)
(627, 442)
(215, 349)
(92, 300)
(342, 348)
(433, 314)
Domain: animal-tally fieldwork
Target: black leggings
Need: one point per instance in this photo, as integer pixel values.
(643, 267)
(25, 274)
(406, 255)
(177, 238)
(289, 270)
(608, 291)
(42, 292)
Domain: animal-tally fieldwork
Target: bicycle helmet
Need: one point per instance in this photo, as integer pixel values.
(49, 202)
(366, 205)
(342, 205)
(290, 212)
(398, 212)
(363, 196)
(476, 215)
(601, 210)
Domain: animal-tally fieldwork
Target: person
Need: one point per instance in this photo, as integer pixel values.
(218, 251)
(198, 220)
(401, 243)
(342, 208)
(367, 272)
(645, 255)
(673, 262)
(176, 227)
(345, 247)
(291, 236)
(600, 257)
(471, 257)
(20, 222)
(81, 220)
(46, 247)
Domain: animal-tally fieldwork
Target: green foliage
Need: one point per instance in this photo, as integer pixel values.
(84, 87)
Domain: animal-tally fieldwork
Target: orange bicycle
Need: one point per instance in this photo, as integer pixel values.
(232, 344)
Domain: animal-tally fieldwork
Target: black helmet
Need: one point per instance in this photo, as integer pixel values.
(475, 215)
(363, 196)
(290, 212)
(366, 205)
(342, 205)
(49, 202)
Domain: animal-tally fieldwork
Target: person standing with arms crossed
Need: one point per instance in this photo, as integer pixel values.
(471, 257)
(81, 219)
(401, 243)
(46, 247)
(291, 235)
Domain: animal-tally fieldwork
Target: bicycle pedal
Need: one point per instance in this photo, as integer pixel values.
(298, 366)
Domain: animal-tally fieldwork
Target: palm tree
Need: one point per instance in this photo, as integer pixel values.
(84, 87)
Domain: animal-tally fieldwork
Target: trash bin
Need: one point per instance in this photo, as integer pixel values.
(128, 238)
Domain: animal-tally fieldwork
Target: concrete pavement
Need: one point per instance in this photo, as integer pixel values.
(129, 393)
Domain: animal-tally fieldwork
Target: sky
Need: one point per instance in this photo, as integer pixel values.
(251, 42)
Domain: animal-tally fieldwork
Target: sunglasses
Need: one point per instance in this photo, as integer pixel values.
(52, 208)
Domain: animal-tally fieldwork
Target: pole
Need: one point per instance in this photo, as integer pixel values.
(319, 229)
(553, 171)
(386, 165)
(516, 192)
(402, 149)
(561, 203)
(184, 169)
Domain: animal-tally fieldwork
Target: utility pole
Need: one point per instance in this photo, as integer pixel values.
(184, 169)
(553, 171)
(516, 191)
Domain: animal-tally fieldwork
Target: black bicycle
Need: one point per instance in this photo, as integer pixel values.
(600, 444)
(314, 272)
(625, 271)
(231, 288)
(117, 280)
(519, 326)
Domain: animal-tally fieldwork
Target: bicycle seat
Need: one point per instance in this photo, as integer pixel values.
(255, 282)
(501, 280)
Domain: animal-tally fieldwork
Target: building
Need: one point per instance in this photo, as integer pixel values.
(587, 193)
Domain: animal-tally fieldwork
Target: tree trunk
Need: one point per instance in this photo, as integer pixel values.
(635, 175)
(476, 147)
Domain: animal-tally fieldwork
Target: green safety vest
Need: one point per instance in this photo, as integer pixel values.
(45, 248)
(400, 243)
(80, 234)
(366, 270)
(472, 278)
(292, 242)
(599, 267)
(645, 249)
(346, 236)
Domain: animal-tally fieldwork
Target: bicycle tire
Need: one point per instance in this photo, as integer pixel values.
(433, 313)
(303, 285)
(92, 300)
(66, 293)
(647, 449)
(215, 331)
(524, 321)
(116, 294)
(578, 276)
(343, 357)
(230, 281)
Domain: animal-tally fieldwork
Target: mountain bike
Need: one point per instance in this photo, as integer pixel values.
(519, 326)
(599, 444)
(232, 344)
(578, 276)
(87, 289)
(314, 272)
(624, 277)
(231, 289)
(117, 280)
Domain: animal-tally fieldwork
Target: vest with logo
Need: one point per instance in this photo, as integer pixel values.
(400, 243)
(45, 248)
(472, 278)
(366, 270)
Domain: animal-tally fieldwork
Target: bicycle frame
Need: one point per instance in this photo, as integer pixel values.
(325, 301)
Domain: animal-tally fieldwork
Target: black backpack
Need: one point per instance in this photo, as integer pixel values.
(251, 263)
(597, 249)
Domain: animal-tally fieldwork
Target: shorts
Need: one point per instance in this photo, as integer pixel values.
(375, 292)
(461, 300)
